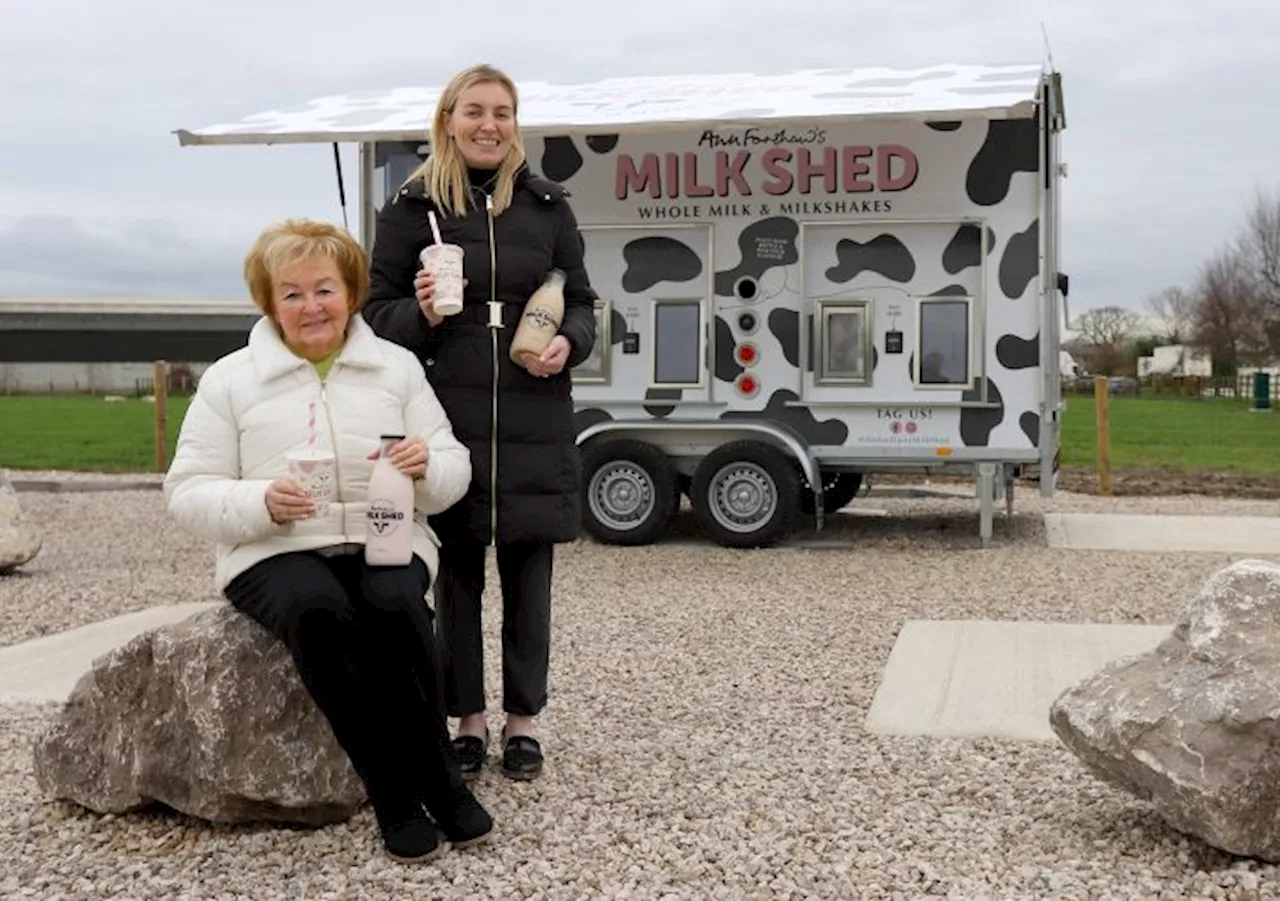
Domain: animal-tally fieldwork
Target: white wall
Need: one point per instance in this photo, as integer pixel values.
(77, 378)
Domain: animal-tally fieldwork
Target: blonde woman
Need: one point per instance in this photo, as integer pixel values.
(514, 227)
(360, 635)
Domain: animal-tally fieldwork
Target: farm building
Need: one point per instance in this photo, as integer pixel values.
(107, 346)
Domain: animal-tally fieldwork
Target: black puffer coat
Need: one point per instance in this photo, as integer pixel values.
(528, 420)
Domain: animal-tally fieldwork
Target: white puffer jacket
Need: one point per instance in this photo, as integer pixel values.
(251, 408)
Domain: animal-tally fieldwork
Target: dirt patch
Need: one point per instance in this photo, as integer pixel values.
(1138, 483)
(1167, 482)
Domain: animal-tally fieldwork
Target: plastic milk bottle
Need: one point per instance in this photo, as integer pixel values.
(389, 518)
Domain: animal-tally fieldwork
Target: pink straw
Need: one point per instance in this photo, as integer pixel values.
(435, 229)
(311, 425)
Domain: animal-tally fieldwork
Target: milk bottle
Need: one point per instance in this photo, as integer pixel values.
(540, 321)
(389, 518)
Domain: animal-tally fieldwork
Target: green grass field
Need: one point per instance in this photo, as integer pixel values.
(1218, 434)
(83, 433)
(86, 433)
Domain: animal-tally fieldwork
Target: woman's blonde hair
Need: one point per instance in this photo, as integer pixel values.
(444, 172)
(285, 243)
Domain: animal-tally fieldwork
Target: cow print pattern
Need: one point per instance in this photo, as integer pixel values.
(727, 366)
(1030, 424)
(655, 259)
(586, 418)
(1020, 262)
(1018, 353)
(617, 327)
(763, 245)
(800, 419)
(1011, 146)
(660, 411)
(561, 158)
(885, 255)
(785, 326)
(963, 251)
(977, 423)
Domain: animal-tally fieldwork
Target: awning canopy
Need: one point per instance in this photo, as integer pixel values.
(617, 105)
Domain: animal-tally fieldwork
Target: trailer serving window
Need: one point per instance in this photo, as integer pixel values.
(678, 343)
(595, 369)
(843, 345)
(944, 342)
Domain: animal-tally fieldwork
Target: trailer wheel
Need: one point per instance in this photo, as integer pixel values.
(746, 494)
(838, 489)
(629, 491)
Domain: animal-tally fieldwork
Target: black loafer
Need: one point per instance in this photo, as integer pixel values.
(470, 751)
(521, 757)
(408, 836)
(462, 819)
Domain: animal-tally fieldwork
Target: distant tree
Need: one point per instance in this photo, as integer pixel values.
(1107, 332)
(1175, 307)
(1259, 248)
(1227, 316)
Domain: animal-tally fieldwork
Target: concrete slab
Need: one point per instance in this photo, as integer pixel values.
(985, 679)
(1145, 532)
(47, 668)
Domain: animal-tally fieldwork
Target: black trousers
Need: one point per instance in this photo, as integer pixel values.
(524, 569)
(362, 640)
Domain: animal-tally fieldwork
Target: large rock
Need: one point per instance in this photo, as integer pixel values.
(20, 541)
(1194, 725)
(207, 716)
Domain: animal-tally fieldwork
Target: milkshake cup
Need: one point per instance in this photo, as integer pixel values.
(316, 474)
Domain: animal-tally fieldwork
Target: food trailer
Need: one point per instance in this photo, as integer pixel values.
(804, 279)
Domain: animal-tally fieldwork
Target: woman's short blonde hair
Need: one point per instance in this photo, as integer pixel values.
(445, 171)
(285, 243)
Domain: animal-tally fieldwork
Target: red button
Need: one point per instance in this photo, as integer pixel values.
(747, 385)
(746, 353)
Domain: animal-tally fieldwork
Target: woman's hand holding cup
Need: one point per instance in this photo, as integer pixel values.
(287, 501)
(424, 292)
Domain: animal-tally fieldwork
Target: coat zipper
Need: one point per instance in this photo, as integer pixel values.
(495, 323)
(333, 441)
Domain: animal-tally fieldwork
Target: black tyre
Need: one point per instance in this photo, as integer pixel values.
(628, 492)
(838, 488)
(746, 494)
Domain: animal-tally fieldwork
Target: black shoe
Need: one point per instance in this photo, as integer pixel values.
(521, 757)
(408, 835)
(470, 751)
(462, 819)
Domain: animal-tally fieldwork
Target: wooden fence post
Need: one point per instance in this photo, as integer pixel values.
(159, 376)
(1100, 397)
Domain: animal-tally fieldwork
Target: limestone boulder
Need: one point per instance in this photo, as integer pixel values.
(1193, 726)
(207, 716)
(20, 540)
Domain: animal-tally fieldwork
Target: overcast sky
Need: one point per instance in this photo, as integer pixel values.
(1171, 123)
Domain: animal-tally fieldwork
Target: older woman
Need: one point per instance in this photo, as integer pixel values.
(514, 227)
(360, 635)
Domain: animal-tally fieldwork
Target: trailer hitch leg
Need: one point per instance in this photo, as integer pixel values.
(986, 500)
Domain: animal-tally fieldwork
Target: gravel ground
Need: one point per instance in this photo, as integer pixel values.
(705, 734)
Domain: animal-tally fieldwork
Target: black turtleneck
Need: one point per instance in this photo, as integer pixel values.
(484, 179)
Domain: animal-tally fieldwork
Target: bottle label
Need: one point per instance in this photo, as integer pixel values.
(541, 319)
(383, 517)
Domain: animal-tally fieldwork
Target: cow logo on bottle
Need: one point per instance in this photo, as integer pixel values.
(383, 517)
(541, 319)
